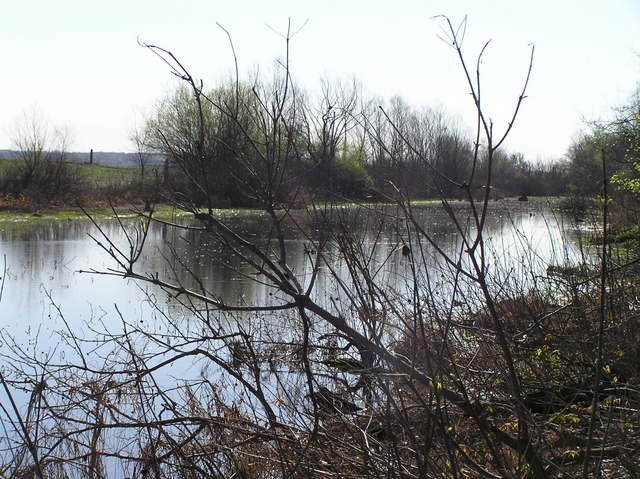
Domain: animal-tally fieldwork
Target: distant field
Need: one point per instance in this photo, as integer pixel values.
(4, 165)
(103, 173)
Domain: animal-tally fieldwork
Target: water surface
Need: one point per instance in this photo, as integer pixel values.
(45, 292)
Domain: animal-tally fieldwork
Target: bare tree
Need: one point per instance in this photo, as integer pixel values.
(329, 127)
(139, 138)
(31, 140)
(41, 168)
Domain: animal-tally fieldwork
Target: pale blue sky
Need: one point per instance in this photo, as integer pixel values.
(78, 62)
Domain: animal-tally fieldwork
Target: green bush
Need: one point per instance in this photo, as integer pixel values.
(350, 175)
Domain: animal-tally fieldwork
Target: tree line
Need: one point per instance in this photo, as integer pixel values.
(339, 143)
(342, 144)
(616, 143)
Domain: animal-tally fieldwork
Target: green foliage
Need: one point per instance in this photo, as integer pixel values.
(219, 144)
(630, 234)
(351, 177)
(585, 156)
(104, 173)
(619, 142)
(627, 128)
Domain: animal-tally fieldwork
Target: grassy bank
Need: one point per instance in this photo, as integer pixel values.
(77, 214)
(50, 185)
(91, 172)
(105, 173)
(164, 211)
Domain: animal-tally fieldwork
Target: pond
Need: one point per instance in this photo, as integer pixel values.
(58, 297)
(47, 288)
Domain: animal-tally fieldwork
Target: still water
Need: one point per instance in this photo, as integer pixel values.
(45, 292)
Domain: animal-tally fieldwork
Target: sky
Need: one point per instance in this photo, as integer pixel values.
(78, 63)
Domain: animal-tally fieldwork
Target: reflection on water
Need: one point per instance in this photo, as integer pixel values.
(44, 292)
(43, 261)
